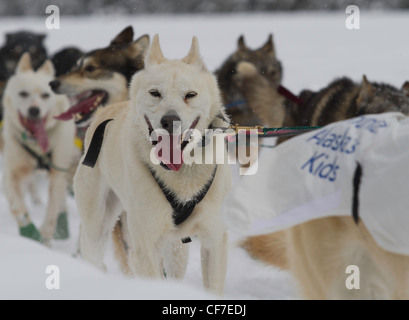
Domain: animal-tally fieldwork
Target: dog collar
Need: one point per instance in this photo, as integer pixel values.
(183, 210)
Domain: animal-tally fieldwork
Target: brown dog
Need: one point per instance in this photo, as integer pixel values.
(317, 252)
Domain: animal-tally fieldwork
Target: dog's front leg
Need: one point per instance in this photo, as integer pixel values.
(99, 210)
(144, 261)
(176, 258)
(214, 258)
(56, 197)
(145, 255)
(12, 186)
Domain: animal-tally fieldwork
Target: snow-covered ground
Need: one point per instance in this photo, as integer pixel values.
(314, 49)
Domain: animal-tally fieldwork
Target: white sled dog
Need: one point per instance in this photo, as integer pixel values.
(33, 139)
(166, 204)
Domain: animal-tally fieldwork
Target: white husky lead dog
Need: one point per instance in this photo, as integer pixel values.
(123, 176)
(34, 139)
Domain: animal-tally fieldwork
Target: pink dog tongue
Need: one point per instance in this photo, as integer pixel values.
(82, 106)
(37, 129)
(171, 152)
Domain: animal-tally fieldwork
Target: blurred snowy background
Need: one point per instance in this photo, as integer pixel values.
(314, 46)
(86, 7)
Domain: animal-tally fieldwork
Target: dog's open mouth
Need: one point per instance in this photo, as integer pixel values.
(171, 152)
(36, 128)
(84, 105)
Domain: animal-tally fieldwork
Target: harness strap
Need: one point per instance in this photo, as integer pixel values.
(355, 199)
(95, 146)
(43, 161)
(234, 104)
(183, 210)
(289, 95)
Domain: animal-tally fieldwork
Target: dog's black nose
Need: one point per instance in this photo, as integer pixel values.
(54, 84)
(168, 120)
(33, 112)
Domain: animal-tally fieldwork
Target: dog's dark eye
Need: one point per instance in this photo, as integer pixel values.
(89, 68)
(190, 95)
(23, 94)
(155, 93)
(45, 95)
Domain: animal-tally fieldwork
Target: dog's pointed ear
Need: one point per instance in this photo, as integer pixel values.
(367, 86)
(143, 41)
(124, 37)
(193, 57)
(139, 47)
(405, 88)
(155, 55)
(366, 91)
(41, 36)
(47, 67)
(269, 45)
(241, 44)
(24, 64)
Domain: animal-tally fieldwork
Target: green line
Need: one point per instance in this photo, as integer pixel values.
(265, 130)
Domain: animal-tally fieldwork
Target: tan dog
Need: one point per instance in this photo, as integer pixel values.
(318, 252)
(34, 139)
(249, 112)
(165, 94)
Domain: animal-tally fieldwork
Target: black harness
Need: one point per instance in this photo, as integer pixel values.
(181, 210)
(95, 146)
(43, 161)
(355, 197)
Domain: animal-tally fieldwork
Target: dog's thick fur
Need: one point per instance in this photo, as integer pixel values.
(15, 45)
(26, 91)
(66, 59)
(121, 179)
(342, 99)
(255, 111)
(106, 72)
(318, 252)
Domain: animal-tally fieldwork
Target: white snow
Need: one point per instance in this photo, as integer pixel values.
(314, 49)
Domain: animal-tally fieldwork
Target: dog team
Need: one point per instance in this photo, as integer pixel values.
(92, 120)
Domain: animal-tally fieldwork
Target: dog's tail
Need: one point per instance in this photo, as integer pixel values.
(269, 248)
(120, 246)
